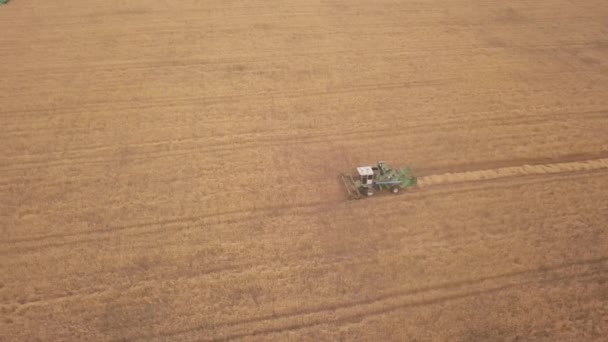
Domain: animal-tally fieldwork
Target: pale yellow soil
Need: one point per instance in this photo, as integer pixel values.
(169, 170)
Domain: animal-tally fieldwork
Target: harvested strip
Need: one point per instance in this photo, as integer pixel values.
(513, 171)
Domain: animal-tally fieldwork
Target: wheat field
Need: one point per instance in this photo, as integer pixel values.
(169, 170)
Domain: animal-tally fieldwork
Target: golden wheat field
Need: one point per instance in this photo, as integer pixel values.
(169, 170)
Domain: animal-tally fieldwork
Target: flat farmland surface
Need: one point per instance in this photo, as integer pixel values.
(168, 170)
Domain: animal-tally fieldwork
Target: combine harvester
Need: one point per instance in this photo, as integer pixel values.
(370, 179)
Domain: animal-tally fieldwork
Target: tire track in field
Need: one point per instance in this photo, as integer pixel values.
(442, 51)
(152, 281)
(355, 311)
(96, 235)
(245, 137)
(513, 171)
(362, 314)
(239, 268)
(164, 149)
(38, 243)
(289, 93)
(104, 290)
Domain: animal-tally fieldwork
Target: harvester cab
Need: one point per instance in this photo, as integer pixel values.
(366, 175)
(365, 185)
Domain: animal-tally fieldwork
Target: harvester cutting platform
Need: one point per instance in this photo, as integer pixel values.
(370, 179)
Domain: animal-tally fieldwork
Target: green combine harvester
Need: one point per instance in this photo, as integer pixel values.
(370, 179)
